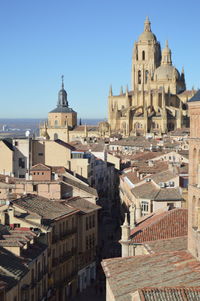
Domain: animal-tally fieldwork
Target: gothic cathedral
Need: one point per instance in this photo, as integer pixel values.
(157, 102)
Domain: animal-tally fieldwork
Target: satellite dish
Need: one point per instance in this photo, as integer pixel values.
(27, 133)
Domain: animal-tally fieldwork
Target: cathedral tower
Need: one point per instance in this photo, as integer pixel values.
(146, 57)
(60, 120)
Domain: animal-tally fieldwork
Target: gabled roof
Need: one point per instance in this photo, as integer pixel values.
(196, 97)
(67, 145)
(8, 144)
(81, 204)
(146, 191)
(163, 176)
(126, 275)
(47, 209)
(11, 264)
(169, 194)
(167, 224)
(80, 186)
(41, 167)
(166, 245)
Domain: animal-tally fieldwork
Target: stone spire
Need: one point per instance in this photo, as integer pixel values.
(62, 95)
(132, 216)
(110, 91)
(125, 229)
(147, 24)
(121, 90)
(127, 90)
(166, 55)
(125, 236)
(44, 133)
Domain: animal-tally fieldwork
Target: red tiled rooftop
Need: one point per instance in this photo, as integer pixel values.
(167, 224)
(126, 275)
(170, 293)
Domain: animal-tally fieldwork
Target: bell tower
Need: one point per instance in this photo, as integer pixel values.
(146, 58)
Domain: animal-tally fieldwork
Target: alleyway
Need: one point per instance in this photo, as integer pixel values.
(90, 294)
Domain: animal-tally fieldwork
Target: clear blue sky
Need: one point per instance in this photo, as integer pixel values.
(90, 42)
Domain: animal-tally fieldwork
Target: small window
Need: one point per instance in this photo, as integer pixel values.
(16, 143)
(40, 154)
(21, 162)
(146, 76)
(139, 77)
(34, 188)
(145, 207)
(143, 55)
(170, 205)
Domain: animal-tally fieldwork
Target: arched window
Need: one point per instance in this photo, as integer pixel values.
(143, 55)
(56, 122)
(146, 76)
(139, 77)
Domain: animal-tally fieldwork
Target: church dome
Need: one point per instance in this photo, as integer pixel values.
(147, 35)
(166, 72)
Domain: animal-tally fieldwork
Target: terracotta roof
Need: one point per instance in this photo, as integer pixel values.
(80, 186)
(81, 204)
(132, 176)
(146, 191)
(170, 293)
(135, 142)
(128, 274)
(167, 224)
(58, 169)
(166, 245)
(47, 209)
(168, 194)
(146, 155)
(163, 176)
(157, 167)
(67, 145)
(40, 167)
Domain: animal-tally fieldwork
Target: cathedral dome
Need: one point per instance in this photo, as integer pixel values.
(147, 35)
(166, 72)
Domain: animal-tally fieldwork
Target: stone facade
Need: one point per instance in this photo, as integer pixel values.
(157, 101)
(194, 178)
